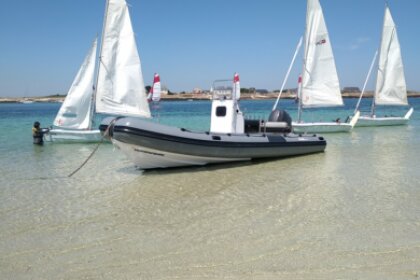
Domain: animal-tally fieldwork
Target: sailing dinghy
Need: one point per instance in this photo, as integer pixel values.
(75, 119)
(319, 86)
(155, 90)
(391, 87)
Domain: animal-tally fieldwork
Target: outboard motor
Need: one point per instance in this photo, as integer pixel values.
(280, 116)
(279, 121)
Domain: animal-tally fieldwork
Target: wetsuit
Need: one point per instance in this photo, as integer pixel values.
(38, 135)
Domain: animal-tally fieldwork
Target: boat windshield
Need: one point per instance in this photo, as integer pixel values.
(222, 89)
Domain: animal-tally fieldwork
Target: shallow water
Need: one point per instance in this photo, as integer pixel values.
(352, 212)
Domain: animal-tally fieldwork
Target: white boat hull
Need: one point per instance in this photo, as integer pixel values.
(384, 121)
(68, 135)
(146, 158)
(326, 127)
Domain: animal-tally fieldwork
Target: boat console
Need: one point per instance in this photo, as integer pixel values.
(226, 116)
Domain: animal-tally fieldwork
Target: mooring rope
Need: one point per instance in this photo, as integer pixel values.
(106, 133)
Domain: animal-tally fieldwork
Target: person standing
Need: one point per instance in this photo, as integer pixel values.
(37, 134)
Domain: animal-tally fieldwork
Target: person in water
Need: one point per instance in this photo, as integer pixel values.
(38, 133)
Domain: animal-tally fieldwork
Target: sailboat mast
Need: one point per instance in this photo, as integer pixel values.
(367, 79)
(299, 94)
(288, 73)
(92, 101)
(305, 51)
(98, 66)
(372, 111)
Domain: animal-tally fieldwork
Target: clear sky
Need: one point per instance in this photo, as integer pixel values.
(190, 43)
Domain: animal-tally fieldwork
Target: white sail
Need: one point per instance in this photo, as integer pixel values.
(320, 85)
(391, 88)
(120, 86)
(156, 89)
(75, 112)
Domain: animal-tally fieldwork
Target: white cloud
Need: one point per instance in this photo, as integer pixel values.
(358, 43)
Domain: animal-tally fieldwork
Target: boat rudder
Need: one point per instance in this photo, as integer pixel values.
(355, 118)
(409, 113)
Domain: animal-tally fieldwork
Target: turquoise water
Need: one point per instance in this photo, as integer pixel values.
(352, 212)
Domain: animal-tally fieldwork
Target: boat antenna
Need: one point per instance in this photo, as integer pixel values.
(288, 72)
(367, 79)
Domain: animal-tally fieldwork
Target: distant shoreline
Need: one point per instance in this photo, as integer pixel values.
(187, 96)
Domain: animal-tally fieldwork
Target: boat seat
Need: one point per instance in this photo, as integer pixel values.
(276, 124)
(274, 127)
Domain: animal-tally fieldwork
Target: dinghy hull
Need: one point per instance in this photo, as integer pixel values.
(152, 145)
(76, 136)
(321, 127)
(326, 127)
(384, 121)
